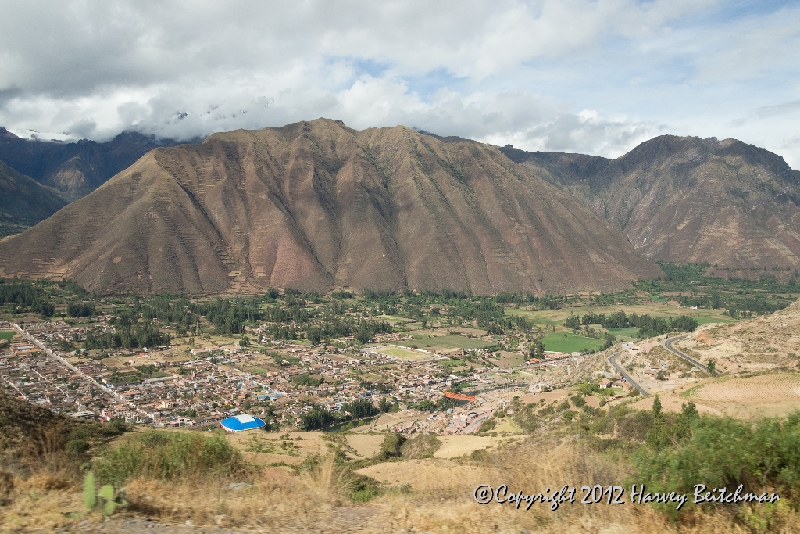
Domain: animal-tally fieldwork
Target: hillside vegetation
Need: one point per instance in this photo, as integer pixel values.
(75, 169)
(24, 202)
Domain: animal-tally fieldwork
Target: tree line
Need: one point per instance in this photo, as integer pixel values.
(648, 326)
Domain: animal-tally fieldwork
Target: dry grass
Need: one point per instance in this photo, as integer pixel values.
(761, 344)
(441, 500)
(456, 446)
(430, 474)
(366, 445)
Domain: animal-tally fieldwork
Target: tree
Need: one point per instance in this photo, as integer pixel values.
(587, 388)
(572, 322)
(360, 409)
(390, 448)
(537, 349)
(659, 434)
(317, 418)
(657, 410)
(385, 405)
(689, 411)
(314, 335)
(712, 367)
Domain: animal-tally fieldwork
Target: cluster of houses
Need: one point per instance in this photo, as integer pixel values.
(31, 373)
(212, 383)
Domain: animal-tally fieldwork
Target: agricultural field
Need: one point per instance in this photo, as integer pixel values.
(509, 359)
(744, 398)
(624, 334)
(770, 395)
(401, 353)
(449, 342)
(766, 343)
(569, 342)
(396, 319)
(429, 474)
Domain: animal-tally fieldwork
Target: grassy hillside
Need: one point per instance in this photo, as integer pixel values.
(24, 202)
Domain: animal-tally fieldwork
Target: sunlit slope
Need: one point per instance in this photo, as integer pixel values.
(316, 205)
(687, 199)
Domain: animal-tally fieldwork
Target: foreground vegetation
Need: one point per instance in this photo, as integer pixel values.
(202, 478)
(52, 466)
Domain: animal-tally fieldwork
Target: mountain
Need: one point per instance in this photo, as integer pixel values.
(686, 199)
(317, 205)
(75, 169)
(23, 201)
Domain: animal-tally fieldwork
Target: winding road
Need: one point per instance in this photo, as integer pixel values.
(628, 378)
(668, 344)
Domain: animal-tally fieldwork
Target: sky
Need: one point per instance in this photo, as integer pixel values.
(590, 76)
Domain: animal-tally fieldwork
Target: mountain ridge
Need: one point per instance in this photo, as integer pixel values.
(686, 199)
(75, 168)
(23, 201)
(317, 205)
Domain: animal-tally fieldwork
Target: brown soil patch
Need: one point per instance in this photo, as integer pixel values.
(704, 337)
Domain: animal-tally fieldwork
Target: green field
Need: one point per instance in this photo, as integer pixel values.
(624, 334)
(6, 335)
(404, 354)
(449, 342)
(568, 342)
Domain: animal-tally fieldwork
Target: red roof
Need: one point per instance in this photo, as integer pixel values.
(458, 396)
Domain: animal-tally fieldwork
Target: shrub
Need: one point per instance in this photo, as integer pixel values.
(167, 456)
(422, 446)
(722, 452)
(487, 425)
(391, 446)
(577, 401)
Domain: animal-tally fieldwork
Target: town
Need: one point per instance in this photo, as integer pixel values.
(163, 387)
(436, 360)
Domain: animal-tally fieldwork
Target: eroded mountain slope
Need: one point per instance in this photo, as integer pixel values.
(317, 205)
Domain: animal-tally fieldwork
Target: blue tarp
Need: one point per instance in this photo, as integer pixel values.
(241, 422)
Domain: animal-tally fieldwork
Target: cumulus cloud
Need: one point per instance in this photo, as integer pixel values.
(595, 76)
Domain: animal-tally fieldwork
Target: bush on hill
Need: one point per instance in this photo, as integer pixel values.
(167, 456)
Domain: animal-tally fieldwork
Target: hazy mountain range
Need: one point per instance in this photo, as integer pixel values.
(317, 205)
(24, 202)
(75, 169)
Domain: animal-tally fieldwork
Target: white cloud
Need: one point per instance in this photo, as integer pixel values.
(579, 75)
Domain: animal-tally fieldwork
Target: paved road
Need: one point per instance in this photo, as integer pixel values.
(476, 424)
(613, 361)
(668, 344)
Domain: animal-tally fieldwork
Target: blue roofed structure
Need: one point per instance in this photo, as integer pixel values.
(237, 423)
